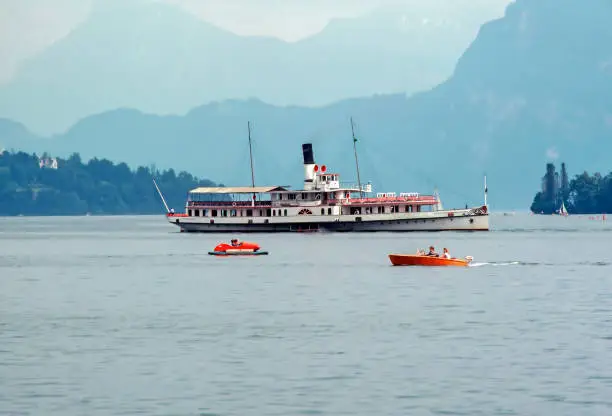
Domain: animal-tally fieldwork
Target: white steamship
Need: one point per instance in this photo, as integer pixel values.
(324, 204)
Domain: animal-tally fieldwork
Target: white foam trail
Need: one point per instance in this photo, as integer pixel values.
(512, 263)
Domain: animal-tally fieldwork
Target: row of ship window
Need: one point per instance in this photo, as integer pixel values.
(230, 213)
(247, 213)
(279, 213)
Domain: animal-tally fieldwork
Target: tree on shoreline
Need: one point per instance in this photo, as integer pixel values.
(548, 200)
(584, 194)
(32, 185)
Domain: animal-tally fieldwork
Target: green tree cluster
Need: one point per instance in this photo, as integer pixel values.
(584, 194)
(96, 187)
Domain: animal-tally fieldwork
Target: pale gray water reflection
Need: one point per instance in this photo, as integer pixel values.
(125, 316)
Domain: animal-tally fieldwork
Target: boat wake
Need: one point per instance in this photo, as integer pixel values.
(510, 263)
(522, 263)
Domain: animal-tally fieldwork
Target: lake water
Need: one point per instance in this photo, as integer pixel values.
(126, 316)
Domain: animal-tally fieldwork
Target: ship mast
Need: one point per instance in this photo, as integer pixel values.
(486, 190)
(251, 158)
(356, 160)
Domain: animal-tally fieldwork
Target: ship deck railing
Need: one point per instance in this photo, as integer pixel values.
(419, 200)
(192, 204)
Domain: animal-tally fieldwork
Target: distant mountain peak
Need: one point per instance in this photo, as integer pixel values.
(160, 59)
(523, 93)
(105, 6)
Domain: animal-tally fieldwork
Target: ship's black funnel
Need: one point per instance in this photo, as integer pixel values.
(308, 154)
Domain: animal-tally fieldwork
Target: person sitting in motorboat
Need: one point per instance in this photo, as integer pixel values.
(446, 254)
(235, 242)
(432, 252)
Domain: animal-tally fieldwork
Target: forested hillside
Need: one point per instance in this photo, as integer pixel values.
(32, 185)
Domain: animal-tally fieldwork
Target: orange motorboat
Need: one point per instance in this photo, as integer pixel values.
(423, 260)
(235, 248)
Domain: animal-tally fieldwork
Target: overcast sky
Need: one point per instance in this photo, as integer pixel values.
(28, 26)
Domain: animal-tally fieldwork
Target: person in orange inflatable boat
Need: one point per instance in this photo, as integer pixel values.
(446, 254)
(235, 242)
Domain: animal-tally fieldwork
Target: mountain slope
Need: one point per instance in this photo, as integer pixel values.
(158, 59)
(534, 85)
(16, 135)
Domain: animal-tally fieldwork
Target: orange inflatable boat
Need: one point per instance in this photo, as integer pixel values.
(243, 248)
(421, 260)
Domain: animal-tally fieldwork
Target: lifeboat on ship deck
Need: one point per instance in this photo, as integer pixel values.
(235, 248)
(424, 260)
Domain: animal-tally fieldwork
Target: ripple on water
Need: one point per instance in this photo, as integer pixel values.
(122, 316)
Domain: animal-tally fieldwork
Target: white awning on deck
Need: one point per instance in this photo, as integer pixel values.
(238, 190)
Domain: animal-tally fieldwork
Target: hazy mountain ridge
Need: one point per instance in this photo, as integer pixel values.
(518, 97)
(16, 135)
(159, 59)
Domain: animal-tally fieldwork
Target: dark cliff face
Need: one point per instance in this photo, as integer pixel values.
(543, 48)
(534, 85)
(540, 51)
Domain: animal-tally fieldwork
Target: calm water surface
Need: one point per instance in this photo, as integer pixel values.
(126, 316)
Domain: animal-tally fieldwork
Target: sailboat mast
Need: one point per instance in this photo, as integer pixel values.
(356, 160)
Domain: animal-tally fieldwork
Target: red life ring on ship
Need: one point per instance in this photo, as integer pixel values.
(233, 204)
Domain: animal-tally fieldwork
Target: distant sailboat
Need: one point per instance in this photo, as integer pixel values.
(562, 210)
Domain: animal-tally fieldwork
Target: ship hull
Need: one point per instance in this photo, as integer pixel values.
(438, 221)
